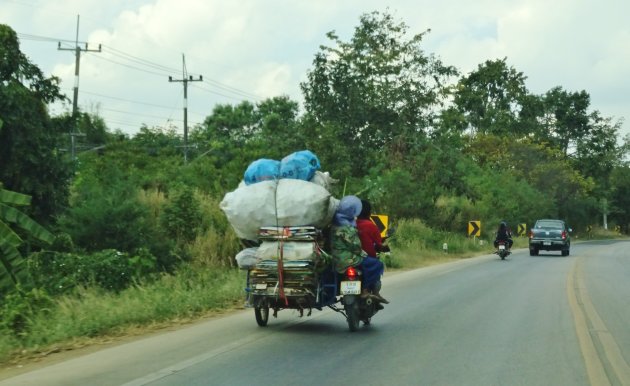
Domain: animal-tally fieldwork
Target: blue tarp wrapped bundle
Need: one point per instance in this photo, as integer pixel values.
(262, 170)
(300, 165)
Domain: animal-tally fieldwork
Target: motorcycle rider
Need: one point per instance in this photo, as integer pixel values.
(371, 243)
(504, 234)
(345, 243)
(346, 247)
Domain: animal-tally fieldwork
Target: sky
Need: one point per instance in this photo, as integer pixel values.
(257, 49)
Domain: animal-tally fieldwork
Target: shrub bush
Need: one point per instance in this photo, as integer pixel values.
(59, 273)
(19, 308)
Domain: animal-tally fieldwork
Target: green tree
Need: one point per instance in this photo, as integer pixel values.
(11, 259)
(234, 123)
(279, 126)
(597, 151)
(553, 175)
(492, 99)
(30, 158)
(106, 213)
(566, 118)
(378, 86)
(620, 198)
(181, 217)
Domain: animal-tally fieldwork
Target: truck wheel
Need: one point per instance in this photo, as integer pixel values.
(262, 315)
(352, 315)
(533, 252)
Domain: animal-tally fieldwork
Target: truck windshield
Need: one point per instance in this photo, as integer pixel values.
(549, 225)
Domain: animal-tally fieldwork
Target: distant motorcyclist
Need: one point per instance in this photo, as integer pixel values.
(503, 234)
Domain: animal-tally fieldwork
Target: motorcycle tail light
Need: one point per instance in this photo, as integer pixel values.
(351, 273)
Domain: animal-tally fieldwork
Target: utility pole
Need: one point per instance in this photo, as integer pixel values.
(185, 79)
(77, 53)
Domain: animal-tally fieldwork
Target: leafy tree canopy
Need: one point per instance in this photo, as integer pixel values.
(30, 158)
(378, 86)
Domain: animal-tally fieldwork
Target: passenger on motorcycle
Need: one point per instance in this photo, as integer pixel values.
(346, 247)
(504, 234)
(345, 243)
(371, 243)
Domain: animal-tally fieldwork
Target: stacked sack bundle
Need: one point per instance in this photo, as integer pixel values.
(282, 205)
(299, 250)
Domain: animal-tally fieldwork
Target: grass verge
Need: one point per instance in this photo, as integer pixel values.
(75, 321)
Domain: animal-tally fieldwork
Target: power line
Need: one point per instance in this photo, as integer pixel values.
(139, 60)
(38, 38)
(130, 66)
(232, 89)
(128, 100)
(217, 93)
(170, 108)
(153, 65)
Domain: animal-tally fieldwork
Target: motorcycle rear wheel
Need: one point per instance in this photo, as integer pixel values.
(352, 315)
(262, 315)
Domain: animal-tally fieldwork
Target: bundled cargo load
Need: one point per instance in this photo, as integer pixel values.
(281, 208)
(283, 203)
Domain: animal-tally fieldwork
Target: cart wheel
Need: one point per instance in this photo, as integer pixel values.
(262, 315)
(352, 315)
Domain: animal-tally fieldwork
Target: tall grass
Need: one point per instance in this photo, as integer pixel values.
(93, 313)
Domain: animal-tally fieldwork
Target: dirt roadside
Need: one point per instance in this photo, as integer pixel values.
(68, 350)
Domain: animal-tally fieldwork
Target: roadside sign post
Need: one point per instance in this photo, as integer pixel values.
(474, 228)
(381, 221)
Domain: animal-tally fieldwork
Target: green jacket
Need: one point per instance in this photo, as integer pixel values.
(346, 247)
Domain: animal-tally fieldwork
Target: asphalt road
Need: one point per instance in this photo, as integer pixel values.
(543, 320)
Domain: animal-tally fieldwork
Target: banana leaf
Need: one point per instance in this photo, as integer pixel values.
(12, 263)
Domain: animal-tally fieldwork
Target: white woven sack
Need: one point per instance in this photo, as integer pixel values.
(286, 202)
(247, 258)
(291, 250)
(323, 179)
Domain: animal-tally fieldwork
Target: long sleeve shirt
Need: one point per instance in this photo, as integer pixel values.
(369, 235)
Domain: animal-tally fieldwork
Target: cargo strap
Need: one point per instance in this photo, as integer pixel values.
(286, 232)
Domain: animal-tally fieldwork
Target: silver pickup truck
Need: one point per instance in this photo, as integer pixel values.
(549, 235)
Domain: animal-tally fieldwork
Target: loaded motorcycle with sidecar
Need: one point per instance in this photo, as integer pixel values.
(283, 210)
(296, 273)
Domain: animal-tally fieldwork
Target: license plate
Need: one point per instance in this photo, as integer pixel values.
(546, 242)
(350, 287)
(501, 247)
(261, 286)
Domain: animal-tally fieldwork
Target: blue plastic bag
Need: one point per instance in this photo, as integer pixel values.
(300, 165)
(262, 170)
